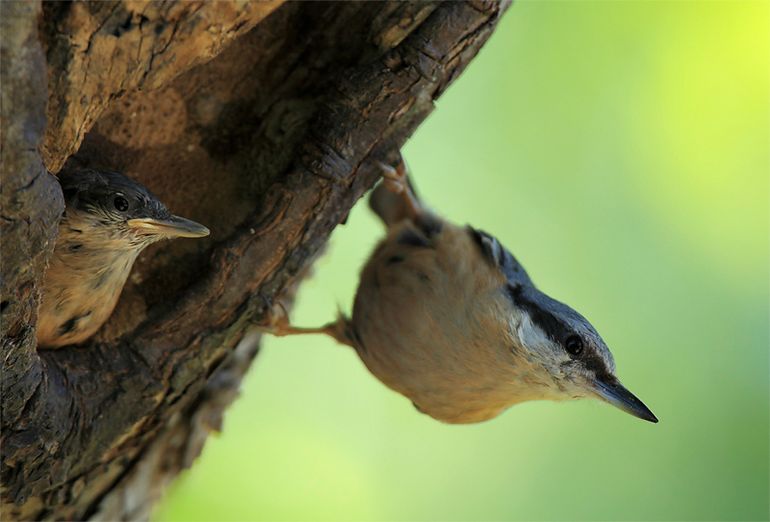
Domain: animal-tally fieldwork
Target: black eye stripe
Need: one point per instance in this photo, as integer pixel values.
(597, 365)
(556, 329)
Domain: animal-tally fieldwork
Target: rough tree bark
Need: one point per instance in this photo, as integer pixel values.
(259, 119)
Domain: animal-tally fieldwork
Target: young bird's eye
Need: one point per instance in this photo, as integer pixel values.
(120, 203)
(573, 345)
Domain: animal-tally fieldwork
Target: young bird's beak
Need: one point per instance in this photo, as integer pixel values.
(610, 390)
(174, 226)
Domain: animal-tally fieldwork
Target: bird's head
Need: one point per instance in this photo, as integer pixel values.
(568, 350)
(566, 358)
(112, 207)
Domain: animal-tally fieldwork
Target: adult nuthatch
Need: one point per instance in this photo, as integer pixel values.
(108, 220)
(446, 316)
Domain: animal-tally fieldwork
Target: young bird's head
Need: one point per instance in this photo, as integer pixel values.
(564, 351)
(110, 207)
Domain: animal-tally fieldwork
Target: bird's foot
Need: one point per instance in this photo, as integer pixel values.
(280, 326)
(396, 180)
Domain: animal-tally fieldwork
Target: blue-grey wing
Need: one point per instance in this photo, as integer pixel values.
(498, 255)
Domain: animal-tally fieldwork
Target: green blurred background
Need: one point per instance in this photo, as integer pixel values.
(620, 150)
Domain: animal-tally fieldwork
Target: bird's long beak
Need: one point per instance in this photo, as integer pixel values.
(174, 226)
(609, 389)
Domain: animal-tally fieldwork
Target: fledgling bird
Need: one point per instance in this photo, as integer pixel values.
(446, 316)
(108, 220)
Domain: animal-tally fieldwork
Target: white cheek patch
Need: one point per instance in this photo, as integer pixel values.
(531, 335)
(536, 341)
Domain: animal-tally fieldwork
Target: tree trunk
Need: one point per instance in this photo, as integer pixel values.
(260, 120)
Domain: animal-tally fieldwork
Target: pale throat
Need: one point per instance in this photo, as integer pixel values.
(89, 267)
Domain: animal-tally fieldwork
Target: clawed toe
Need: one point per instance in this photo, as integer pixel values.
(395, 179)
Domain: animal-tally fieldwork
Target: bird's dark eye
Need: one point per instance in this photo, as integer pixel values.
(573, 345)
(120, 203)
